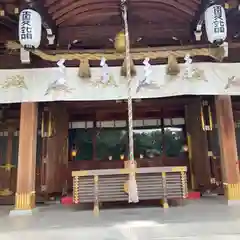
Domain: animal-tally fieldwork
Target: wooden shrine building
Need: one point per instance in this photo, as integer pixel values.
(78, 77)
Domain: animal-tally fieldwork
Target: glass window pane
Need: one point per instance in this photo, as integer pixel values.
(82, 140)
(110, 143)
(147, 142)
(3, 147)
(173, 141)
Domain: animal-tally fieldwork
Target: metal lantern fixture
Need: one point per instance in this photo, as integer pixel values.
(216, 24)
(30, 28)
(46, 124)
(73, 153)
(206, 116)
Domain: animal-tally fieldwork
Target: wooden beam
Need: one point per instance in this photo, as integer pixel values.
(13, 62)
(107, 116)
(8, 22)
(232, 45)
(106, 32)
(10, 59)
(6, 32)
(152, 53)
(173, 102)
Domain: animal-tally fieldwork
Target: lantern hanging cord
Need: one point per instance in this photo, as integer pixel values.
(132, 189)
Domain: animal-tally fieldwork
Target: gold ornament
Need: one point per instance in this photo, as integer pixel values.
(120, 42)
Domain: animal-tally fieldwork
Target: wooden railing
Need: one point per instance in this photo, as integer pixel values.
(108, 185)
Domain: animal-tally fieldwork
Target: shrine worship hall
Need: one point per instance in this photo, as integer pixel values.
(119, 101)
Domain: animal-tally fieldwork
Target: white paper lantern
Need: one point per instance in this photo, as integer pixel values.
(216, 24)
(30, 28)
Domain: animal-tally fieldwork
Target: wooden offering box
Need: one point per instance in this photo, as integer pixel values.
(108, 185)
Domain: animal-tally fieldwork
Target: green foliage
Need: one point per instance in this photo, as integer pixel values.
(174, 142)
(83, 142)
(110, 142)
(114, 142)
(148, 141)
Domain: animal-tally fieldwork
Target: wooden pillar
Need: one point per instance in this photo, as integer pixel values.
(228, 148)
(198, 147)
(25, 194)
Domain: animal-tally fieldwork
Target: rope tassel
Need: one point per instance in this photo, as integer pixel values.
(124, 68)
(84, 69)
(172, 68)
(132, 190)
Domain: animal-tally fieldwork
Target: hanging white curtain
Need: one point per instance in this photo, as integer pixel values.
(188, 73)
(62, 72)
(105, 71)
(146, 81)
(147, 70)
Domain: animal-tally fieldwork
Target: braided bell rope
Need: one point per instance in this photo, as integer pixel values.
(133, 191)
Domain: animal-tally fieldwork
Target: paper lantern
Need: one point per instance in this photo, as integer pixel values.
(74, 153)
(216, 24)
(30, 28)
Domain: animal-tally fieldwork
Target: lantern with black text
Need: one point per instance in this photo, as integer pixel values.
(216, 24)
(30, 28)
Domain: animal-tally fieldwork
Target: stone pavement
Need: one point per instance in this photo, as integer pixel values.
(203, 219)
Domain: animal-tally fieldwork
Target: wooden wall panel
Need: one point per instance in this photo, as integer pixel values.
(199, 145)
(57, 150)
